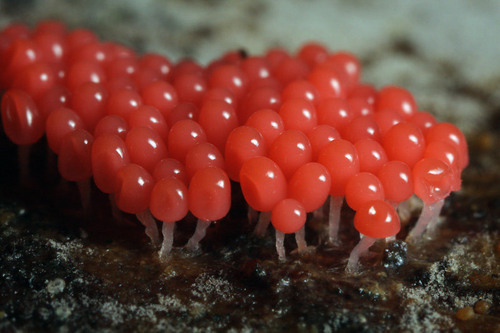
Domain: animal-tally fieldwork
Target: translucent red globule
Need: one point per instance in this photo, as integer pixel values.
(288, 216)
(310, 185)
(397, 180)
(243, 143)
(209, 194)
(377, 219)
(22, 121)
(61, 122)
(397, 99)
(340, 158)
(134, 188)
(404, 142)
(109, 154)
(361, 188)
(263, 183)
(169, 200)
(74, 159)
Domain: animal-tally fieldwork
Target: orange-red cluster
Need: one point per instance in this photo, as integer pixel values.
(166, 138)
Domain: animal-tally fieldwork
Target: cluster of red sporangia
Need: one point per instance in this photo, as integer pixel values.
(165, 139)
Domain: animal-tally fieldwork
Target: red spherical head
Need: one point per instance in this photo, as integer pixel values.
(290, 150)
(397, 99)
(446, 152)
(184, 135)
(61, 122)
(161, 95)
(371, 155)
(313, 53)
(256, 68)
(397, 180)
(387, 118)
(404, 142)
(328, 83)
(186, 66)
(78, 38)
(201, 156)
(320, 136)
(450, 133)
(170, 168)
(363, 127)
(117, 83)
(52, 47)
(111, 125)
(269, 124)
(361, 188)
(182, 111)
(144, 77)
(348, 65)
(123, 102)
(364, 91)
(423, 120)
(35, 79)
(310, 185)
(84, 71)
(19, 54)
(288, 216)
(290, 69)
(121, 67)
(89, 102)
(301, 89)
(190, 88)
(209, 194)
(109, 154)
(157, 63)
(243, 143)
(134, 189)
(263, 183)
(218, 119)
(360, 107)
(377, 219)
(74, 160)
(145, 147)
(93, 51)
(340, 158)
(56, 97)
(275, 56)
(230, 77)
(432, 180)
(221, 94)
(258, 99)
(334, 112)
(22, 122)
(149, 116)
(169, 200)
(298, 114)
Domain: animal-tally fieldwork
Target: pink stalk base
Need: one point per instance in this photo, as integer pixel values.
(200, 232)
(359, 250)
(280, 246)
(168, 240)
(149, 222)
(427, 220)
(300, 239)
(252, 214)
(262, 224)
(334, 219)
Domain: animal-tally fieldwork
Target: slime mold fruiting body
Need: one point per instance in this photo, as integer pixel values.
(164, 139)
